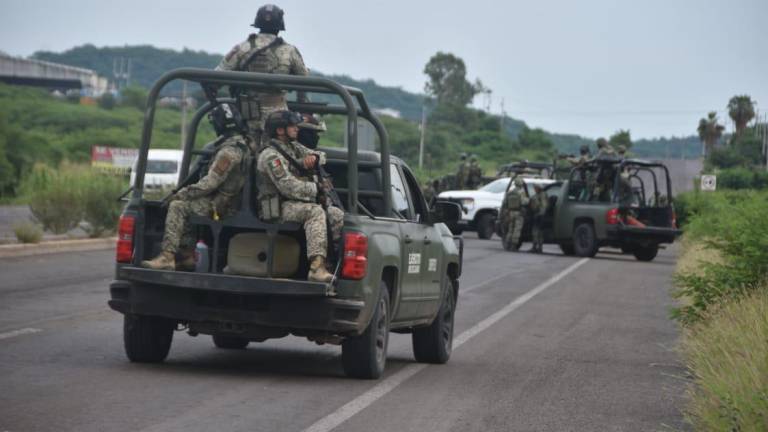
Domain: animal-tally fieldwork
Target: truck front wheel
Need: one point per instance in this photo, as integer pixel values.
(433, 344)
(485, 226)
(365, 356)
(646, 253)
(584, 240)
(147, 339)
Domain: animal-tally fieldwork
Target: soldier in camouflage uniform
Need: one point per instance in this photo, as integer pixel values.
(462, 173)
(538, 206)
(288, 193)
(604, 149)
(475, 175)
(310, 129)
(581, 159)
(512, 218)
(622, 151)
(264, 52)
(216, 194)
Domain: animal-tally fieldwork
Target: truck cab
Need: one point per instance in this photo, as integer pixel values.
(398, 268)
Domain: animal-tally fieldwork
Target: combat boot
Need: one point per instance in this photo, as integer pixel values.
(317, 271)
(164, 261)
(187, 261)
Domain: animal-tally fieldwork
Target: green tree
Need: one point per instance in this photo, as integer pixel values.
(134, 96)
(741, 109)
(536, 139)
(107, 101)
(710, 131)
(448, 80)
(621, 137)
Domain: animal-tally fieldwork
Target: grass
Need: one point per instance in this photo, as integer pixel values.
(728, 356)
(28, 232)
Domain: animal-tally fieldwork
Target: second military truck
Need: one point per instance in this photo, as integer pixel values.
(398, 268)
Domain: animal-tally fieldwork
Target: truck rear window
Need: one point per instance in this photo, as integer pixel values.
(162, 167)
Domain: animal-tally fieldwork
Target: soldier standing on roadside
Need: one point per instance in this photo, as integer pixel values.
(512, 215)
(286, 195)
(215, 194)
(462, 173)
(475, 176)
(264, 52)
(538, 206)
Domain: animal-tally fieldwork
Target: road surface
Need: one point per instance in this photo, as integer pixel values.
(545, 343)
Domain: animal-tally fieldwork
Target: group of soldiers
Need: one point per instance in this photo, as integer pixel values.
(512, 215)
(469, 175)
(284, 143)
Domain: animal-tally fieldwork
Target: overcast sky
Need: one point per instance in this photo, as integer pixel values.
(588, 67)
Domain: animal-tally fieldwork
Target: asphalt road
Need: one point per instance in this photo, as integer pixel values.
(546, 343)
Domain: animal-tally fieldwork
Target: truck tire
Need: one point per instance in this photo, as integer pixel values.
(485, 226)
(584, 240)
(147, 339)
(646, 253)
(230, 342)
(433, 344)
(365, 356)
(567, 249)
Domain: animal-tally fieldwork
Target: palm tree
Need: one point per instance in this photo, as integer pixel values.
(741, 109)
(710, 132)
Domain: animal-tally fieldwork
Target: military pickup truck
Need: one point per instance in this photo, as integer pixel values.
(398, 268)
(595, 207)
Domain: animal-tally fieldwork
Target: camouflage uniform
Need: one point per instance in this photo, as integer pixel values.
(288, 195)
(462, 174)
(475, 176)
(512, 217)
(279, 57)
(538, 206)
(216, 193)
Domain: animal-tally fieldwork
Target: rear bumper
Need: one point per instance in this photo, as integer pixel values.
(631, 234)
(198, 298)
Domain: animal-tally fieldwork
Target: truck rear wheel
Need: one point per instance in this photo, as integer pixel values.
(646, 253)
(433, 344)
(365, 356)
(230, 342)
(584, 240)
(485, 226)
(147, 339)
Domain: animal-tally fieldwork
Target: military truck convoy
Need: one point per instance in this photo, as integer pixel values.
(398, 267)
(598, 207)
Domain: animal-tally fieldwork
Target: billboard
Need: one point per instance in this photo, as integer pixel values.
(113, 158)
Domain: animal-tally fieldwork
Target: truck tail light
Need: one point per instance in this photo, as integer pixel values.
(125, 239)
(355, 261)
(612, 216)
(674, 219)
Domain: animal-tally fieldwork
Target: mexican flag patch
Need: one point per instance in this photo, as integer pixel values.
(277, 168)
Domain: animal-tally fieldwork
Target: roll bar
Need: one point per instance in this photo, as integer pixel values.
(271, 82)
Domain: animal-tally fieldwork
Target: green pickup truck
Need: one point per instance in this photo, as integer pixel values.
(398, 267)
(596, 208)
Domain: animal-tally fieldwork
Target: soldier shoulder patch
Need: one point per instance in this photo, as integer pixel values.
(221, 166)
(277, 168)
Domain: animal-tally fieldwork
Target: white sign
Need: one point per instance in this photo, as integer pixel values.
(414, 263)
(708, 182)
(432, 265)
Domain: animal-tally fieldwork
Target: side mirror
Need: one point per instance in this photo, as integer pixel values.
(447, 212)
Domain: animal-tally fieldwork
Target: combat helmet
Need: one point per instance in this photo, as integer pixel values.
(226, 119)
(463, 156)
(280, 119)
(584, 149)
(269, 18)
(602, 142)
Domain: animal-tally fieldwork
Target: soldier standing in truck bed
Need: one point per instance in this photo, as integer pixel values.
(264, 52)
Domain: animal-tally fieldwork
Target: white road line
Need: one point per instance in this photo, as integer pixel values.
(331, 421)
(19, 332)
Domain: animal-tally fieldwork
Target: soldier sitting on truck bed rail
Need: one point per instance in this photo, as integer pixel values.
(215, 194)
(288, 193)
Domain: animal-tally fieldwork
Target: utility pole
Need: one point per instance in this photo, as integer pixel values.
(183, 113)
(501, 118)
(423, 131)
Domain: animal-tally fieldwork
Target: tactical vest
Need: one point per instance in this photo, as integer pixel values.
(261, 58)
(514, 201)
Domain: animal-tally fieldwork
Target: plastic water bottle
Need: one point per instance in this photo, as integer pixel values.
(202, 257)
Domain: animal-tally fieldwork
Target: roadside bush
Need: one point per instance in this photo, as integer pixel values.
(728, 357)
(107, 101)
(736, 178)
(61, 199)
(28, 232)
(101, 209)
(735, 225)
(54, 199)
